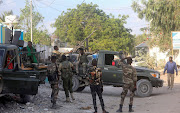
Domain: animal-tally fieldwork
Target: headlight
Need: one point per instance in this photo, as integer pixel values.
(156, 75)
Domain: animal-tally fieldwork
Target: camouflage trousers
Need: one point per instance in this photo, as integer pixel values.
(55, 91)
(96, 89)
(127, 87)
(84, 66)
(67, 85)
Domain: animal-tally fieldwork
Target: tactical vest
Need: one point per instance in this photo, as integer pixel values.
(66, 69)
(83, 59)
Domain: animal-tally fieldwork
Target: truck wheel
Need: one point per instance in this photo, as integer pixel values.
(75, 82)
(80, 89)
(144, 88)
(1, 85)
(25, 99)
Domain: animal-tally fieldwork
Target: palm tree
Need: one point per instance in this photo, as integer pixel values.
(6, 13)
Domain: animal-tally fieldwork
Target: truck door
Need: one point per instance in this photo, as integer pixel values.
(111, 72)
(16, 80)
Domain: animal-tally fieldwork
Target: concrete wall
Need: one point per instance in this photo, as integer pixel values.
(155, 51)
(164, 55)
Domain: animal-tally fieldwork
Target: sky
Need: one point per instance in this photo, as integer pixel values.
(51, 9)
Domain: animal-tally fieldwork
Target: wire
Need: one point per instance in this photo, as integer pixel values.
(51, 3)
(38, 11)
(48, 6)
(7, 3)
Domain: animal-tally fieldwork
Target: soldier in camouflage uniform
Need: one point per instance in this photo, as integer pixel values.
(53, 74)
(66, 74)
(82, 61)
(96, 85)
(129, 79)
(57, 54)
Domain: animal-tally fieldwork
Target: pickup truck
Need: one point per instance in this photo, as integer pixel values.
(18, 80)
(112, 74)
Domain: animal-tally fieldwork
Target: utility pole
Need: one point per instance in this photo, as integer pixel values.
(31, 20)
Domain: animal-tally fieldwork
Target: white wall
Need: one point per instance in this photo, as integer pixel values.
(48, 50)
(160, 55)
(163, 55)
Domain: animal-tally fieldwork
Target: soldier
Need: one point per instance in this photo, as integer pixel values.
(53, 78)
(66, 74)
(58, 54)
(96, 85)
(129, 79)
(82, 61)
(31, 56)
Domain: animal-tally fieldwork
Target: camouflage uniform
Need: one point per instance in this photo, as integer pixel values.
(83, 61)
(66, 74)
(58, 55)
(96, 86)
(54, 84)
(129, 79)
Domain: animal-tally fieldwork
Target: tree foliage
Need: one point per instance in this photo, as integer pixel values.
(4, 14)
(75, 25)
(140, 38)
(163, 15)
(40, 35)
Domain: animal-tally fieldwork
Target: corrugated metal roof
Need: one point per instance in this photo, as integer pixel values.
(142, 45)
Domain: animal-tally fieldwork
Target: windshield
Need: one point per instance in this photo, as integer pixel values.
(1, 57)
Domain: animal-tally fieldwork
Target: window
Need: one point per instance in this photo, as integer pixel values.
(111, 59)
(9, 56)
(1, 57)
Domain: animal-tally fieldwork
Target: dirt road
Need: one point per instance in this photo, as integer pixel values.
(161, 101)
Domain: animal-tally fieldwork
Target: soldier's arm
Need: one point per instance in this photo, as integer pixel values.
(134, 76)
(71, 65)
(48, 70)
(60, 68)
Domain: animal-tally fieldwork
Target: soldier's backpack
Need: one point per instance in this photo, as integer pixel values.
(66, 69)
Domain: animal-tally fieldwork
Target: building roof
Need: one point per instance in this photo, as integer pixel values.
(143, 44)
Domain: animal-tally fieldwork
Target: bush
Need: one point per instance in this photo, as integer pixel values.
(149, 61)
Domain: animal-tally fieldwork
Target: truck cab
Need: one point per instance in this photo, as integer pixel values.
(17, 80)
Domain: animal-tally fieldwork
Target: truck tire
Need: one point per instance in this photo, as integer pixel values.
(144, 88)
(75, 82)
(80, 89)
(25, 99)
(1, 84)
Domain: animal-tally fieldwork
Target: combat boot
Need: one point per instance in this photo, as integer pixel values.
(67, 99)
(120, 108)
(130, 108)
(72, 96)
(54, 106)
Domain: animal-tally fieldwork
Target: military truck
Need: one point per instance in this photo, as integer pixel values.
(18, 79)
(112, 74)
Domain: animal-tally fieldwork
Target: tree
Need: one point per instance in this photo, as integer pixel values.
(4, 14)
(164, 16)
(140, 38)
(40, 35)
(75, 25)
